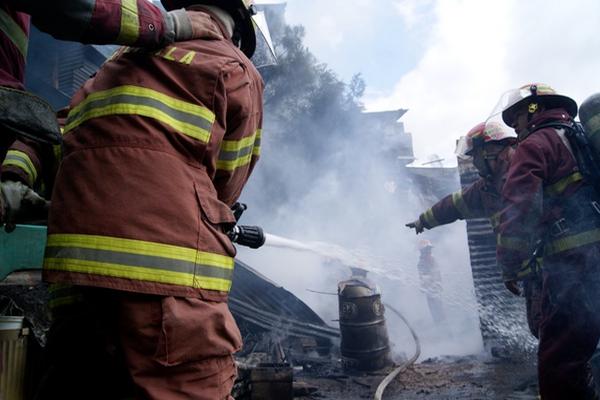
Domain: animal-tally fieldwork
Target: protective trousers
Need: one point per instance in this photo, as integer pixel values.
(570, 324)
(119, 345)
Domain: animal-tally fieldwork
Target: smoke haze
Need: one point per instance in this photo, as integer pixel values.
(325, 177)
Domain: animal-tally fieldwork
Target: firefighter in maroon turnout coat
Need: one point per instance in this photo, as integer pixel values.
(490, 146)
(127, 22)
(158, 145)
(546, 199)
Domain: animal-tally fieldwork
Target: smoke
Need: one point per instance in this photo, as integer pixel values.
(326, 176)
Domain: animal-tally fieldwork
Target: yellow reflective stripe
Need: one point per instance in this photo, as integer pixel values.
(62, 294)
(237, 163)
(64, 301)
(130, 24)
(560, 186)
(256, 149)
(14, 32)
(573, 241)
(57, 150)
(139, 247)
(190, 119)
(512, 243)
(237, 153)
(138, 260)
(136, 273)
(430, 218)
(21, 160)
(237, 145)
(132, 90)
(459, 203)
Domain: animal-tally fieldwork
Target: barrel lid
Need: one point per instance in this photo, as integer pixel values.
(9, 323)
(356, 288)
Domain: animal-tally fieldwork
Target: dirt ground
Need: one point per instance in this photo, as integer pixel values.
(463, 378)
(476, 377)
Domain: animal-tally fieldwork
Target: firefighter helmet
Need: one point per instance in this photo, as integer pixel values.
(241, 11)
(530, 97)
(482, 133)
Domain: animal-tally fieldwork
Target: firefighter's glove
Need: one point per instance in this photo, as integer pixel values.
(417, 226)
(19, 203)
(513, 287)
(182, 25)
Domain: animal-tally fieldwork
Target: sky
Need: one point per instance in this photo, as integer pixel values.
(448, 61)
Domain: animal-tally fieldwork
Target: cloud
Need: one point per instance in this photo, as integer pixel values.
(477, 50)
(331, 23)
(412, 11)
(456, 82)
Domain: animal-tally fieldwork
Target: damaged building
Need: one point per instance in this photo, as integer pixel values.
(289, 350)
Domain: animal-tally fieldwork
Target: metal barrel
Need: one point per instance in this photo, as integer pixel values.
(364, 339)
(13, 353)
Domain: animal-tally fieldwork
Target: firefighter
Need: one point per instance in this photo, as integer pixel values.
(27, 178)
(133, 22)
(157, 147)
(546, 199)
(431, 281)
(490, 147)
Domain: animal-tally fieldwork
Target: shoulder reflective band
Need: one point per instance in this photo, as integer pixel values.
(138, 260)
(430, 218)
(21, 160)
(14, 32)
(560, 186)
(237, 153)
(513, 243)
(189, 119)
(459, 203)
(130, 23)
(572, 242)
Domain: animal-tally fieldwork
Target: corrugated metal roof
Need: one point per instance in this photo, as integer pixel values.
(502, 315)
(257, 300)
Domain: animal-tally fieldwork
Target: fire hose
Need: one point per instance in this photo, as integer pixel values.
(405, 365)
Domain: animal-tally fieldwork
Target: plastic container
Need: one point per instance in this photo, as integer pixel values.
(13, 354)
(22, 249)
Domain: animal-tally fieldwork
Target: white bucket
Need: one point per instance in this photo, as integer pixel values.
(10, 323)
(13, 354)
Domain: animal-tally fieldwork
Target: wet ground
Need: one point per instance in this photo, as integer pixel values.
(463, 378)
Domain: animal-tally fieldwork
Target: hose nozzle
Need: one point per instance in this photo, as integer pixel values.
(247, 235)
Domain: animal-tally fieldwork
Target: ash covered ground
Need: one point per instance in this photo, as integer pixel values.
(481, 377)
(511, 376)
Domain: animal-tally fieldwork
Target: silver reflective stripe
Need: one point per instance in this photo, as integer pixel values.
(234, 155)
(144, 101)
(137, 260)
